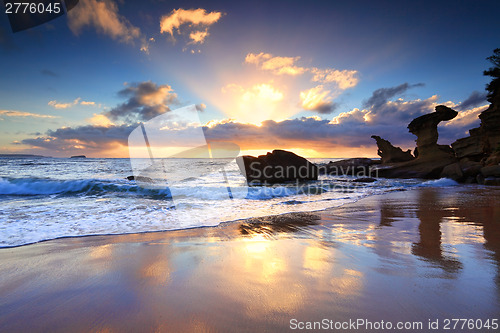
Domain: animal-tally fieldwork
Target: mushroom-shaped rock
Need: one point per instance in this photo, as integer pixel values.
(425, 128)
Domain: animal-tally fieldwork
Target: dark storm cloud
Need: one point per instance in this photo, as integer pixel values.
(475, 99)
(145, 100)
(382, 95)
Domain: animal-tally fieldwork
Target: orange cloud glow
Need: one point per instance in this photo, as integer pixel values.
(190, 17)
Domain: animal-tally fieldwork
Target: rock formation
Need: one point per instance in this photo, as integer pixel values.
(481, 149)
(425, 128)
(390, 154)
(355, 167)
(484, 140)
(432, 158)
(276, 167)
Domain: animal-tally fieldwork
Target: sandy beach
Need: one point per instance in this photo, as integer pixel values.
(427, 254)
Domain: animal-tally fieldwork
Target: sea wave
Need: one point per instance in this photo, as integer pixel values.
(41, 186)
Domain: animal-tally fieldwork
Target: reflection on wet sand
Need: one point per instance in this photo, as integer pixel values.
(431, 213)
(270, 225)
(417, 255)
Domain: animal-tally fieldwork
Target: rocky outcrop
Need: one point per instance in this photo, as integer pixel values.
(432, 158)
(479, 153)
(490, 129)
(142, 179)
(425, 128)
(483, 141)
(276, 167)
(355, 167)
(390, 154)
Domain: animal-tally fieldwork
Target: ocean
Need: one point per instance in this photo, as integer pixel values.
(48, 198)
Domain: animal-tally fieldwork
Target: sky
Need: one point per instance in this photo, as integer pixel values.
(317, 78)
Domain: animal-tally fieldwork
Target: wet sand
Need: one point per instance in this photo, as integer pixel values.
(418, 255)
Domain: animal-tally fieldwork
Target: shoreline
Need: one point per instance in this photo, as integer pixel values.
(221, 224)
(416, 255)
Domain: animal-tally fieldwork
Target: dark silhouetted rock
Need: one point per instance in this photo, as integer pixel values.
(493, 159)
(453, 171)
(425, 128)
(495, 181)
(491, 171)
(140, 179)
(355, 167)
(470, 168)
(276, 167)
(483, 141)
(79, 156)
(469, 147)
(432, 158)
(390, 154)
(364, 180)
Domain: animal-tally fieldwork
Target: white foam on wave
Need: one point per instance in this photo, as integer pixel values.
(442, 182)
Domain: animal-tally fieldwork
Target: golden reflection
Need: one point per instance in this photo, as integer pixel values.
(101, 252)
(316, 261)
(431, 215)
(349, 282)
(157, 272)
(256, 244)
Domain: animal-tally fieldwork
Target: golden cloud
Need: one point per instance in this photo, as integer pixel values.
(190, 17)
(316, 99)
(198, 37)
(77, 101)
(255, 104)
(104, 17)
(344, 79)
(15, 113)
(277, 65)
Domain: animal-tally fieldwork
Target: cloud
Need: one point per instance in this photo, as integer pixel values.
(103, 16)
(264, 92)
(59, 105)
(317, 99)
(191, 18)
(476, 98)
(348, 130)
(100, 120)
(468, 118)
(288, 66)
(345, 79)
(198, 37)
(255, 103)
(201, 107)
(49, 73)
(85, 138)
(382, 95)
(145, 100)
(14, 113)
(277, 65)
